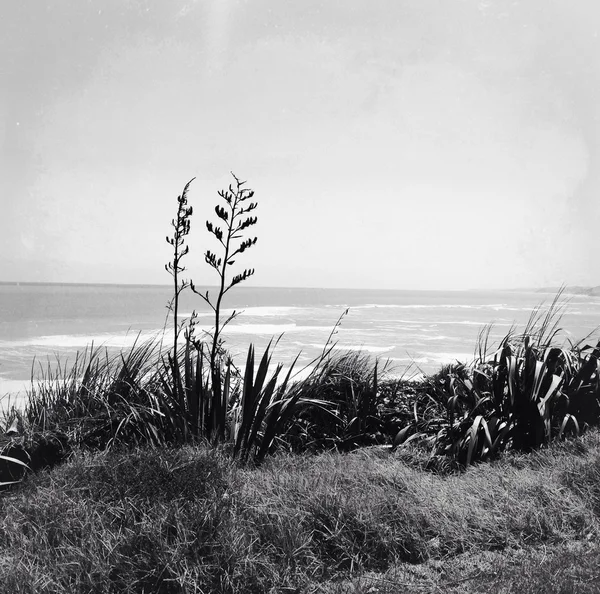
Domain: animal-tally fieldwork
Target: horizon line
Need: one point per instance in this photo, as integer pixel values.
(168, 285)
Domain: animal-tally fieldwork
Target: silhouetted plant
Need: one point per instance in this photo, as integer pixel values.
(181, 228)
(235, 219)
(207, 401)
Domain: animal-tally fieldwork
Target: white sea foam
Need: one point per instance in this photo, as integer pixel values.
(466, 323)
(507, 308)
(356, 347)
(418, 306)
(407, 374)
(366, 347)
(444, 358)
(12, 387)
(410, 359)
(258, 311)
(482, 306)
(398, 306)
(265, 311)
(84, 340)
(272, 329)
(429, 358)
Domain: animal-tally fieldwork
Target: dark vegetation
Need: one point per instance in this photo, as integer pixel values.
(169, 483)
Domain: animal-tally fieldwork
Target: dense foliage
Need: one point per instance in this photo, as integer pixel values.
(525, 394)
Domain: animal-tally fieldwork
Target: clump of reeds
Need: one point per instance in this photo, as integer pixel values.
(343, 410)
(100, 399)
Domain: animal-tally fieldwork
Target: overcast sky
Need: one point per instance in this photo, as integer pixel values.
(391, 144)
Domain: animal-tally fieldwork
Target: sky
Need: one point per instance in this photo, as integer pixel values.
(401, 144)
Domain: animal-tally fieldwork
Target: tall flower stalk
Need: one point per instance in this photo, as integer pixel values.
(181, 228)
(234, 219)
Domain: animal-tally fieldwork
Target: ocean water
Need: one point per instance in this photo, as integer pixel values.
(417, 331)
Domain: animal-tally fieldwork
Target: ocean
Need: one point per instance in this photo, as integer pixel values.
(417, 331)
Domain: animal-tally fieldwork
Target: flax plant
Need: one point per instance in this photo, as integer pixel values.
(526, 393)
(201, 396)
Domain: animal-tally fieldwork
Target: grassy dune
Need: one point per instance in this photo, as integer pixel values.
(191, 520)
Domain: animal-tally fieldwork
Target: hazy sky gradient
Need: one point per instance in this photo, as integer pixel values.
(391, 143)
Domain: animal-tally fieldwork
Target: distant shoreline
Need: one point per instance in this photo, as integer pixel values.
(576, 290)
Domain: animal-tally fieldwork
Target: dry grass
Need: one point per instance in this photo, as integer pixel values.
(190, 520)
